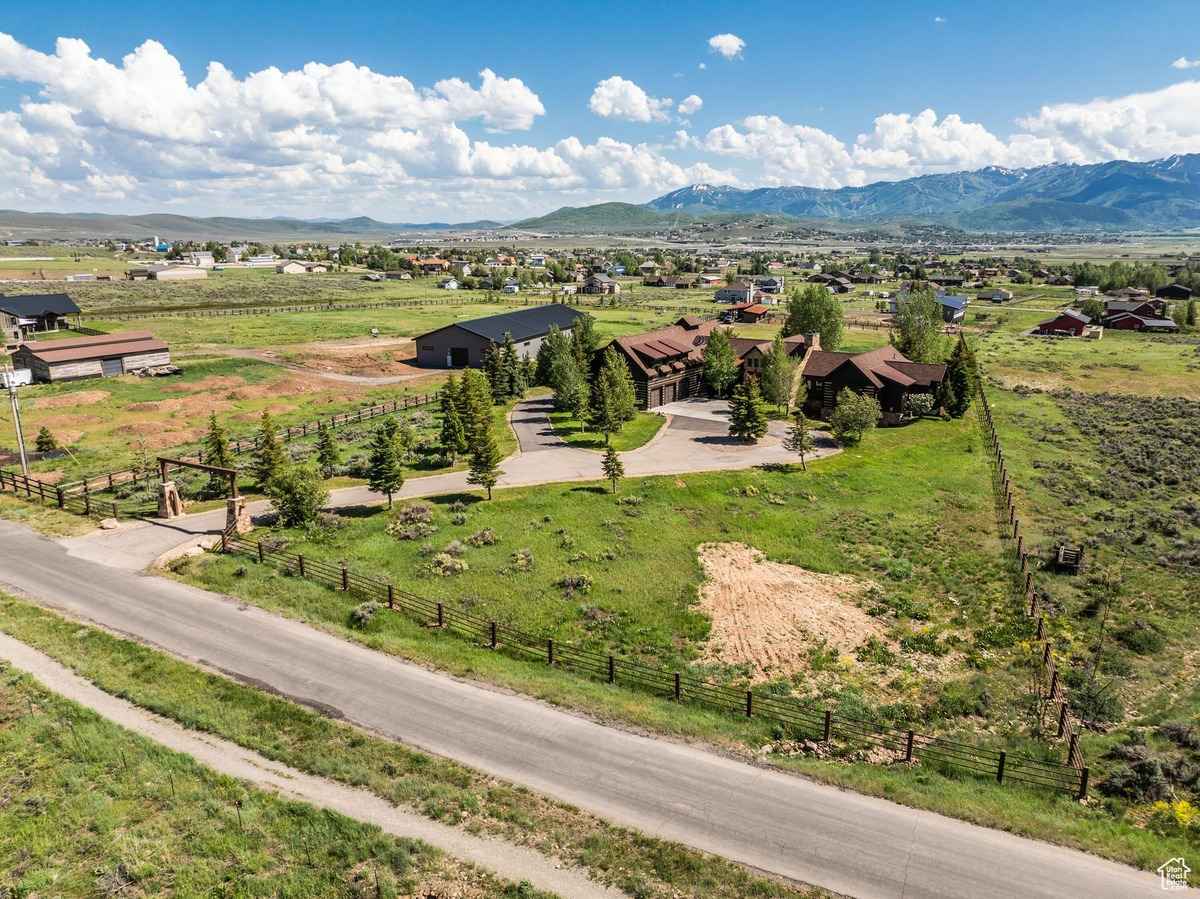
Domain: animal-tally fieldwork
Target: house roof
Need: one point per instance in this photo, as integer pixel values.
(755, 309)
(956, 303)
(1070, 313)
(522, 324)
(38, 304)
(884, 364)
(1148, 321)
(1126, 305)
(681, 342)
(103, 346)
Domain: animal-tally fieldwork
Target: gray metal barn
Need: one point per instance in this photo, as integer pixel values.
(463, 344)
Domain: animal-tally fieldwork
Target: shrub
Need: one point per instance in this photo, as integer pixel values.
(854, 416)
(875, 651)
(298, 493)
(1141, 637)
(411, 522)
(925, 642)
(363, 614)
(446, 565)
(486, 537)
(455, 548)
(575, 583)
(417, 531)
(522, 560)
(457, 507)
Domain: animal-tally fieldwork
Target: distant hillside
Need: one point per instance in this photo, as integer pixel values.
(1113, 195)
(600, 218)
(182, 227)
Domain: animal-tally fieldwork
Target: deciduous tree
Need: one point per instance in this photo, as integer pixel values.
(855, 415)
(919, 325)
(298, 494)
(720, 364)
(814, 310)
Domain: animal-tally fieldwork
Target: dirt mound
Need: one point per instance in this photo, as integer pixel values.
(78, 398)
(767, 615)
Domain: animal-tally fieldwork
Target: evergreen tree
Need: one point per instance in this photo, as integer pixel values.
(495, 376)
(814, 310)
(512, 374)
(485, 461)
(720, 363)
(959, 381)
(216, 445)
(584, 343)
(268, 457)
(567, 381)
(453, 437)
(919, 325)
(799, 439)
(528, 371)
(579, 402)
(476, 411)
(614, 469)
(385, 473)
(748, 414)
(778, 372)
(554, 346)
(329, 455)
(614, 400)
(46, 442)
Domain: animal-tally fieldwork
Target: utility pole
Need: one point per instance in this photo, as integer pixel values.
(10, 381)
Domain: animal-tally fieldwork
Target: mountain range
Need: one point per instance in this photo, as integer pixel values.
(1119, 195)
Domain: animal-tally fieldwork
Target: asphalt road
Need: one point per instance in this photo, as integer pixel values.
(789, 826)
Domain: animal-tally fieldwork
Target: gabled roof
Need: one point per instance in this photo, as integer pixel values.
(39, 304)
(102, 346)
(884, 364)
(1147, 321)
(523, 324)
(956, 303)
(677, 343)
(1070, 313)
(1127, 305)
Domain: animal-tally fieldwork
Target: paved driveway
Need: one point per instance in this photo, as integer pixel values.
(694, 439)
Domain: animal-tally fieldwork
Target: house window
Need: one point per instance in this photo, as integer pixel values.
(427, 347)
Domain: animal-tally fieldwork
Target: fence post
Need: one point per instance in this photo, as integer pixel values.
(391, 600)
(1071, 746)
(1083, 783)
(612, 670)
(908, 747)
(87, 502)
(1062, 716)
(493, 629)
(749, 704)
(678, 691)
(1000, 767)
(441, 619)
(345, 578)
(114, 510)
(828, 726)
(224, 542)
(260, 551)
(300, 564)
(1054, 687)
(550, 652)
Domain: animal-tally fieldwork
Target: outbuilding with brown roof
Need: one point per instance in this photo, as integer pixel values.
(102, 355)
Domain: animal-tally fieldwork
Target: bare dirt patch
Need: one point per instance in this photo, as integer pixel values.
(78, 398)
(768, 615)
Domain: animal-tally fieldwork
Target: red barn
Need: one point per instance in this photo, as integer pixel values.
(1067, 323)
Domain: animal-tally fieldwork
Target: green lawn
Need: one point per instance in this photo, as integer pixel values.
(635, 433)
(91, 809)
(440, 789)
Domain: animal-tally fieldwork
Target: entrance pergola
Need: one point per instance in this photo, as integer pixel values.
(164, 464)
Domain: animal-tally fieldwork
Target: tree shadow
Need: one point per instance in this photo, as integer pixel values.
(591, 489)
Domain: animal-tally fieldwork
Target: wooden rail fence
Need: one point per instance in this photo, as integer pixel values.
(802, 719)
(1013, 534)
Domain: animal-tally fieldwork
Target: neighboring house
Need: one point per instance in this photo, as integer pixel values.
(1068, 323)
(398, 275)
(1081, 292)
(105, 355)
(997, 295)
(511, 285)
(885, 373)
(291, 267)
(536, 260)
(431, 265)
(770, 285)
(463, 344)
(34, 313)
(1143, 306)
(600, 283)
(710, 280)
(947, 280)
(839, 285)
(649, 267)
(1128, 321)
(751, 313)
(737, 292)
(199, 258)
(1174, 292)
(954, 308)
(667, 364)
(448, 284)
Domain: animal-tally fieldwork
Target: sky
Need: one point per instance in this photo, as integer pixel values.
(504, 111)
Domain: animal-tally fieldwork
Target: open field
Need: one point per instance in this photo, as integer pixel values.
(92, 809)
(436, 788)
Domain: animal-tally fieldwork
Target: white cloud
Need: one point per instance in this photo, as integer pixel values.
(702, 66)
(788, 154)
(728, 45)
(939, 20)
(690, 105)
(619, 98)
(1184, 63)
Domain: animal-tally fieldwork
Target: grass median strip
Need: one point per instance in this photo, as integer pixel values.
(440, 789)
(93, 809)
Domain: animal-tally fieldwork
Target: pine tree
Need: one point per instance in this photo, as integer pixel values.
(720, 364)
(485, 461)
(385, 473)
(584, 343)
(453, 437)
(958, 385)
(46, 442)
(799, 439)
(495, 377)
(268, 457)
(748, 415)
(476, 405)
(614, 469)
(579, 402)
(777, 374)
(613, 398)
(216, 445)
(329, 455)
(512, 374)
(554, 346)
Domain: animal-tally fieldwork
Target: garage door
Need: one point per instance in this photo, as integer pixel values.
(669, 393)
(656, 397)
(459, 357)
(110, 368)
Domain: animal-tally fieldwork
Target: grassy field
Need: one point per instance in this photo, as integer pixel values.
(440, 789)
(93, 810)
(635, 433)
